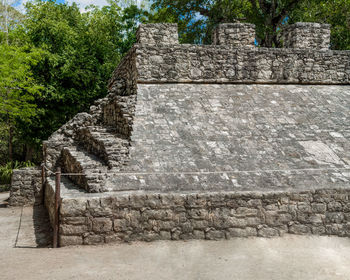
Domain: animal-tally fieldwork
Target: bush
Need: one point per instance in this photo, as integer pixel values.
(7, 170)
(4, 188)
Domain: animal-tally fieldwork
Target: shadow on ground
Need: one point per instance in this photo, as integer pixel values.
(42, 226)
(4, 203)
(34, 229)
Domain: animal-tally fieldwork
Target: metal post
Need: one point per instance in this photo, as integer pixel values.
(57, 205)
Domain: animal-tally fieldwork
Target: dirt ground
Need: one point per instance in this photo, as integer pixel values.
(290, 257)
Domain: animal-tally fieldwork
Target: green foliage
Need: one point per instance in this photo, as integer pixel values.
(55, 61)
(10, 18)
(200, 16)
(334, 12)
(18, 88)
(196, 18)
(81, 51)
(5, 188)
(7, 170)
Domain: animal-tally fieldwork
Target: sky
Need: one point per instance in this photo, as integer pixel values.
(82, 3)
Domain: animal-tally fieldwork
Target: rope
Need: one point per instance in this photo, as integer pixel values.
(209, 172)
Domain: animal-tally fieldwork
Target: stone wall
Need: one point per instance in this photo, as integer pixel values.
(148, 217)
(49, 199)
(234, 34)
(124, 77)
(157, 34)
(119, 113)
(225, 64)
(26, 187)
(307, 35)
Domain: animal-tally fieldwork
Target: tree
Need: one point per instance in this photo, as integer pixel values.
(80, 51)
(196, 15)
(9, 19)
(196, 18)
(334, 12)
(18, 88)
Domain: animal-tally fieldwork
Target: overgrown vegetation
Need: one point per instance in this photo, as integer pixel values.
(7, 170)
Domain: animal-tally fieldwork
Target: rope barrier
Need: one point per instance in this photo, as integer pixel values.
(121, 173)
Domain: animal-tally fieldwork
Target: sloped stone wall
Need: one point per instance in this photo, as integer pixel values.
(26, 187)
(203, 216)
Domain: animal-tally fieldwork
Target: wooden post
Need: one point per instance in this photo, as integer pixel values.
(57, 205)
(42, 175)
(43, 181)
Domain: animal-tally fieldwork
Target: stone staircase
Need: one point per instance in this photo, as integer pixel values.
(77, 160)
(105, 142)
(97, 151)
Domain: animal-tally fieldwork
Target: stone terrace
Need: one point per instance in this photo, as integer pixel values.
(210, 141)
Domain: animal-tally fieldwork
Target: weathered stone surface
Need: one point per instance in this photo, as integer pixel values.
(210, 142)
(157, 34)
(307, 35)
(70, 240)
(234, 34)
(26, 187)
(154, 222)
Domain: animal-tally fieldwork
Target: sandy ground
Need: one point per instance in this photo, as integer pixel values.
(290, 257)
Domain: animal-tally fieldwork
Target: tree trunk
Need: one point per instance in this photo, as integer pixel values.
(29, 153)
(10, 143)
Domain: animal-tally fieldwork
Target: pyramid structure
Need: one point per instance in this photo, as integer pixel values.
(210, 141)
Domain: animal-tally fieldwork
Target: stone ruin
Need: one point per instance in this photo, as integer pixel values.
(208, 142)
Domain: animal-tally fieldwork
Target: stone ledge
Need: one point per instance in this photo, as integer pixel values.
(225, 64)
(173, 216)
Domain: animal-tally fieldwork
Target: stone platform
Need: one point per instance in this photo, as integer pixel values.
(210, 142)
(249, 160)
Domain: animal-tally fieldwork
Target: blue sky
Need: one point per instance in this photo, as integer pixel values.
(82, 3)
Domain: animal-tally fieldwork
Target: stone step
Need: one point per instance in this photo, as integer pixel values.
(104, 142)
(93, 171)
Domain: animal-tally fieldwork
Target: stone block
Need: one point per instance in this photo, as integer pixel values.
(274, 218)
(73, 229)
(157, 34)
(198, 234)
(334, 206)
(93, 239)
(113, 238)
(268, 232)
(165, 235)
(74, 220)
(70, 240)
(215, 234)
(120, 225)
(101, 225)
(319, 207)
(234, 34)
(242, 232)
(334, 217)
(318, 230)
(307, 35)
(299, 229)
(73, 207)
